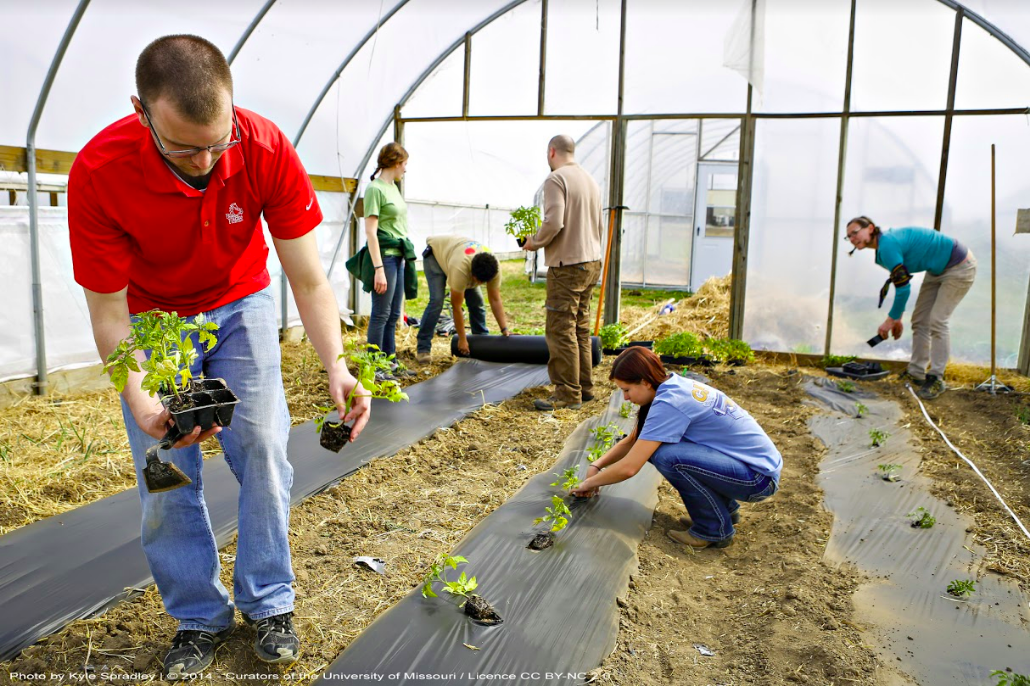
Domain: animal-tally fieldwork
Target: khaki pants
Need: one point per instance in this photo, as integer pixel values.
(568, 329)
(938, 298)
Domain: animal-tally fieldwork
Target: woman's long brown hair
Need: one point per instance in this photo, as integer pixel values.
(637, 364)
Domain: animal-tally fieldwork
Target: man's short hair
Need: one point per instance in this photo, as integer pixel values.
(484, 267)
(188, 70)
(563, 144)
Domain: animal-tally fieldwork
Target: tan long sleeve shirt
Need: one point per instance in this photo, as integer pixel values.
(571, 230)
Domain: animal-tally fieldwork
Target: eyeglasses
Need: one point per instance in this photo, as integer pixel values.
(849, 234)
(217, 148)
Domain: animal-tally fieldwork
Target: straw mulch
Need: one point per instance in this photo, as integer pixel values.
(706, 312)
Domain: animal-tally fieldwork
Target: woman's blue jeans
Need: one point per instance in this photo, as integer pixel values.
(710, 483)
(386, 307)
(436, 279)
(176, 534)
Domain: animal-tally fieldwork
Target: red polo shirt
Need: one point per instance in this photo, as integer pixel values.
(134, 223)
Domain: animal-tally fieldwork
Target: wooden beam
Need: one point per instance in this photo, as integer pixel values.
(47, 161)
(333, 184)
(58, 162)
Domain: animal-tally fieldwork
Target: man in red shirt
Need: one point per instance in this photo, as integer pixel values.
(164, 212)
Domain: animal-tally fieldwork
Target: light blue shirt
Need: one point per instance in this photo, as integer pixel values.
(687, 410)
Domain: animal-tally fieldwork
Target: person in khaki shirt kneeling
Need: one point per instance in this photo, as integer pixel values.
(571, 238)
(464, 264)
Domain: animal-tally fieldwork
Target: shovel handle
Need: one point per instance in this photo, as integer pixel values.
(171, 436)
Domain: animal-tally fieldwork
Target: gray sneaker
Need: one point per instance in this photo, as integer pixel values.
(932, 387)
(276, 640)
(193, 651)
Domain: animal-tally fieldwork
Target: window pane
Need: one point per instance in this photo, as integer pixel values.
(674, 58)
(506, 64)
(792, 201)
(582, 57)
(989, 74)
(806, 52)
(891, 176)
(893, 70)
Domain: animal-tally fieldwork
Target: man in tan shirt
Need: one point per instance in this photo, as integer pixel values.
(463, 264)
(571, 238)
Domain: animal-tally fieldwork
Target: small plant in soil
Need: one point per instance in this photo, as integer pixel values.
(861, 410)
(1010, 678)
(367, 360)
(625, 410)
(567, 479)
(878, 437)
(523, 223)
(962, 588)
(557, 515)
(845, 386)
(890, 472)
(682, 344)
(475, 606)
(167, 336)
(923, 518)
(1023, 414)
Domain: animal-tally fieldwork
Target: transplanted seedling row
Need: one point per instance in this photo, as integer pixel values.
(475, 606)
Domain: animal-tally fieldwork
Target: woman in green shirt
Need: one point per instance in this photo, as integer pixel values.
(386, 216)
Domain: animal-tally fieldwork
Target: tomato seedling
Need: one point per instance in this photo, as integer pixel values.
(168, 338)
(845, 386)
(524, 222)
(567, 479)
(878, 437)
(557, 515)
(861, 409)
(613, 335)
(625, 410)
(962, 588)
(889, 472)
(1010, 678)
(923, 518)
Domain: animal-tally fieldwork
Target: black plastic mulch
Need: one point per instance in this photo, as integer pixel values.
(82, 562)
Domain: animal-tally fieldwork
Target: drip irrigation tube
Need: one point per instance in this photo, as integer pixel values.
(559, 611)
(88, 560)
(970, 463)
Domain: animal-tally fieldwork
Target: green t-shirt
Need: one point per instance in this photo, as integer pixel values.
(384, 200)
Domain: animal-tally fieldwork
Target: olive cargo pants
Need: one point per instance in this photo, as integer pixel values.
(568, 329)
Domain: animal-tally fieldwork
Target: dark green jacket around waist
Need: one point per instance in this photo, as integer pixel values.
(364, 271)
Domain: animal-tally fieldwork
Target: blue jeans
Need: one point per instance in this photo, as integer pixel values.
(176, 534)
(436, 278)
(710, 484)
(386, 307)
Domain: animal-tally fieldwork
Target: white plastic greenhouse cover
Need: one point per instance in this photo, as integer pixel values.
(676, 63)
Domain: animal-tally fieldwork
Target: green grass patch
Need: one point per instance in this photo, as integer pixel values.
(524, 300)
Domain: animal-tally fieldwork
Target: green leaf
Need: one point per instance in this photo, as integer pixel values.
(119, 377)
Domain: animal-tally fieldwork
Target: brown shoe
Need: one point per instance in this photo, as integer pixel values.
(423, 358)
(696, 543)
(587, 397)
(554, 404)
(735, 518)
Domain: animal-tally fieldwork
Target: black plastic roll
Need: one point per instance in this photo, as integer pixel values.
(526, 349)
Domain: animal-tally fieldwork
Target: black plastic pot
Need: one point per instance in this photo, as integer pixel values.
(213, 404)
(631, 344)
(685, 361)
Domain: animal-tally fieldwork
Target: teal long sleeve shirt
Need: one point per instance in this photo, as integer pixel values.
(920, 250)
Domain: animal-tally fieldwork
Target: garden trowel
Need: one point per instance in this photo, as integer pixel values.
(164, 476)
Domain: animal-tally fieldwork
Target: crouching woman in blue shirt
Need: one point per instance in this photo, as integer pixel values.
(712, 451)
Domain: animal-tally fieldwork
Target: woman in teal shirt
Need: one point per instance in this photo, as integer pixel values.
(950, 270)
